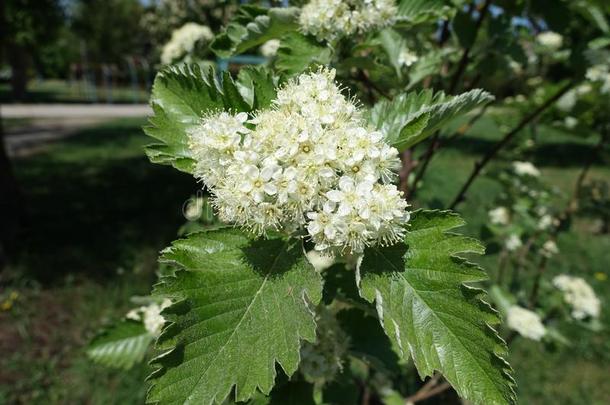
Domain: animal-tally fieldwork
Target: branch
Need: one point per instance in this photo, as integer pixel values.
(504, 141)
(429, 389)
(570, 209)
(435, 142)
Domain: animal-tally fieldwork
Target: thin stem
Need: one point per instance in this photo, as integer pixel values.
(435, 145)
(570, 209)
(435, 142)
(504, 141)
(428, 390)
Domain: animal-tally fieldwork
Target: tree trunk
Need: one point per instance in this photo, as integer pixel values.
(12, 213)
(19, 60)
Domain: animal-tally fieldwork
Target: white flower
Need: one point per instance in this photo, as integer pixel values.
(550, 39)
(526, 169)
(549, 248)
(525, 322)
(600, 74)
(579, 295)
(570, 122)
(407, 58)
(308, 162)
(567, 101)
(545, 222)
(320, 261)
(150, 316)
(499, 216)
(269, 48)
(183, 41)
(331, 19)
(513, 242)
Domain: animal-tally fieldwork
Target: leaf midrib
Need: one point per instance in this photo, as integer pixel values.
(254, 299)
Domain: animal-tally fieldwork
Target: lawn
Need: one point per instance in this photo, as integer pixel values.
(99, 213)
(60, 91)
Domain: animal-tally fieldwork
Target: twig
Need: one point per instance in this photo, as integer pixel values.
(428, 390)
(435, 145)
(367, 81)
(466, 54)
(504, 141)
(405, 171)
(435, 142)
(570, 209)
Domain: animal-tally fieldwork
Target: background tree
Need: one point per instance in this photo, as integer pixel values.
(28, 25)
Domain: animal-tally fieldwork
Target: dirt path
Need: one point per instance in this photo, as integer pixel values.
(48, 123)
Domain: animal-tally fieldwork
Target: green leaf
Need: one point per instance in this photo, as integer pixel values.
(298, 52)
(421, 11)
(181, 96)
(121, 346)
(393, 43)
(257, 86)
(411, 117)
(253, 26)
(241, 305)
(427, 310)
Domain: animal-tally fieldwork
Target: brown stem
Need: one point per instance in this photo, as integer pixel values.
(435, 145)
(504, 141)
(534, 294)
(428, 390)
(570, 209)
(364, 77)
(405, 171)
(435, 142)
(466, 53)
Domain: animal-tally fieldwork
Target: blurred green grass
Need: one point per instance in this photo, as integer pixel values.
(99, 212)
(61, 91)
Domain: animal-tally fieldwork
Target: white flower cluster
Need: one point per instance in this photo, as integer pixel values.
(331, 19)
(549, 249)
(269, 48)
(525, 169)
(309, 162)
(183, 42)
(527, 323)
(513, 242)
(579, 295)
(151, 316)
(407, 57)
(550, 40)
(600, 74)
(499, 216)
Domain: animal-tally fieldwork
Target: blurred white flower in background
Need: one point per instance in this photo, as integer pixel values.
(513, 242)
(407, 58)
(579, 295)
(183, 41)
(550, 40)
(545, 222)
(527, 323)
(499, 216)
(600, 74)
(549, 248)
(570, 122)
(331, 19)
(269, 48)
(150, 315)
(567, 101)
(525, 169)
